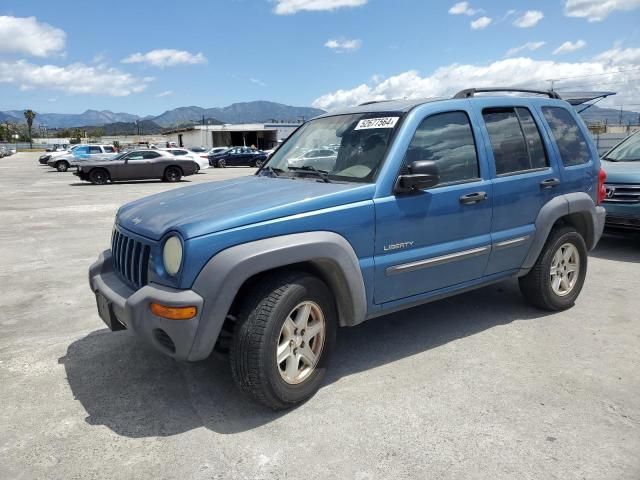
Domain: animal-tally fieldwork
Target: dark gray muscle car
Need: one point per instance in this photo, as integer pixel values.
(137, 165)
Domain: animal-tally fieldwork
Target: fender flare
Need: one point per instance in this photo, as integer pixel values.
(577, 207)
(223, 275)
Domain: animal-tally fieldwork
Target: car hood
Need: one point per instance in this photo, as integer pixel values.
(216, 206)
(622, 172)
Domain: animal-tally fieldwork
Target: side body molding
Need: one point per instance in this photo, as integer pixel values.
(578, 208)
(221, 278)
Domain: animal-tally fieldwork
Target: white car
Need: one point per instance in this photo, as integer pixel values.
(320, 158)
(203, 162)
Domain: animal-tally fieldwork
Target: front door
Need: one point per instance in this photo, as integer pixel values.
(438, 237)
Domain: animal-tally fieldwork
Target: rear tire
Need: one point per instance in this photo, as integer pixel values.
(283, 339)
(172, 174)
(99, 176)
(222, 163)
(258, 163)
(62, 166)
(557, 277)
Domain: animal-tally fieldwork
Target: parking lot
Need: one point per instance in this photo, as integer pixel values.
(473, 387)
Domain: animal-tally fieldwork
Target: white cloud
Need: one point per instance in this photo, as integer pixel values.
(528, 19)
(530, 46)
(481, 23)
(30, 37)
(166, 57)
(76, 78)
(597, 10)
(340, 46)
(289, 7)
(258, 82)
(166, 93)
(596, 74)
(463, 8)
(568, 47)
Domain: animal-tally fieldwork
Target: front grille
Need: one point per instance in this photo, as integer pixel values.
(130, 259)
(619, 193)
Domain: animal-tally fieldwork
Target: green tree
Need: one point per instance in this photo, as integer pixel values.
(30, 115)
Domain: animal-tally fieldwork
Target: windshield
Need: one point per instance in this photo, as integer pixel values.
(345, 147)
(627, 151)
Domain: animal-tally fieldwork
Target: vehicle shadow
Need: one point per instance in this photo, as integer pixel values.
(130, 182)
(618, 245)
(138, 392)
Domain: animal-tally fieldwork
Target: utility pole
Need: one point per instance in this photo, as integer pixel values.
(620, 120)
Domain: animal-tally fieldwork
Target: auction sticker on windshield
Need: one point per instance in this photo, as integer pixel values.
(382, 122)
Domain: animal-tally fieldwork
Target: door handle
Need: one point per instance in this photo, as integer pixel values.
(471, 198)
(549, 183)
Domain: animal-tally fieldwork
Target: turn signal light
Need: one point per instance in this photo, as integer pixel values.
(173, 313)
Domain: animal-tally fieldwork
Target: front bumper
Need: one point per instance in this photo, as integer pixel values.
(126, 308)
(623, 215)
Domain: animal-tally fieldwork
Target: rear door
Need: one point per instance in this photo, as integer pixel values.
(440, 236)
(570, 144)
(524, 177)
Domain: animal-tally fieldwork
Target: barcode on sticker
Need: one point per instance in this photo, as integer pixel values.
(382, 122)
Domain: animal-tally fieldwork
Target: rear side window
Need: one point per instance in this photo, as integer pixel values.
(447, 139)
(569, 138)
(515, 140)
(109, 149)
(94, 150)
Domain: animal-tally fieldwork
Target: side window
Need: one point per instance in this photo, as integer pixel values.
(447, 139)
(150, 155)
(82, 150)
(515, 140)
(109, 149)
(134, 156)
(93, 150)
(569, 138)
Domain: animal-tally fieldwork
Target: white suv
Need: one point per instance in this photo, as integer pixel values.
(81, 154)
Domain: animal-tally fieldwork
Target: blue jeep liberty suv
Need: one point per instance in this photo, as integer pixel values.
(420, 200)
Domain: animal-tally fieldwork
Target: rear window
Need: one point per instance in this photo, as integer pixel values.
(568, 136)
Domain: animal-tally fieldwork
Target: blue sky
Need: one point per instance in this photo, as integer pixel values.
(146, 57)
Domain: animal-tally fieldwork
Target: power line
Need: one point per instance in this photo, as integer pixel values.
(592, 75)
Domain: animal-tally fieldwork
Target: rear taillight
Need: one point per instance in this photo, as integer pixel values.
(602, 191)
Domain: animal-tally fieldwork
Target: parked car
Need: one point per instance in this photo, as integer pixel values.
(320, 158)
(137, 165)
(203, 162)
(427, 199)
(622, 202)
(217, 150)
(81, 154)
(4, 151)
(44, 159)
(238, 157)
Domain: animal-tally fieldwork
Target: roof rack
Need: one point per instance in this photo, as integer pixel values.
(376, 101)
(470, 92)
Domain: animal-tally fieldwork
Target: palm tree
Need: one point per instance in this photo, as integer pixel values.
(30, 115)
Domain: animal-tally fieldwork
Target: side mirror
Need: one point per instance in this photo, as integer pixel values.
(422, 174)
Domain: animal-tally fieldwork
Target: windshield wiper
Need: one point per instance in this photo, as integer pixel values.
(273, 171)
(323, 174)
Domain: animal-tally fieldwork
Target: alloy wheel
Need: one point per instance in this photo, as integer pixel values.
(565, 269)
(300, 342)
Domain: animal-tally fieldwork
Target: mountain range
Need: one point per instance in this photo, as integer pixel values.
(246, 112)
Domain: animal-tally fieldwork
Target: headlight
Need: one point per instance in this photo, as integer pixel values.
(172, 255)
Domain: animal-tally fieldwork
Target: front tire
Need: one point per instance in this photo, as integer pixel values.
(62, 166)
(283, 340)
(99, 176)
(172, 174)
(557, 277)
